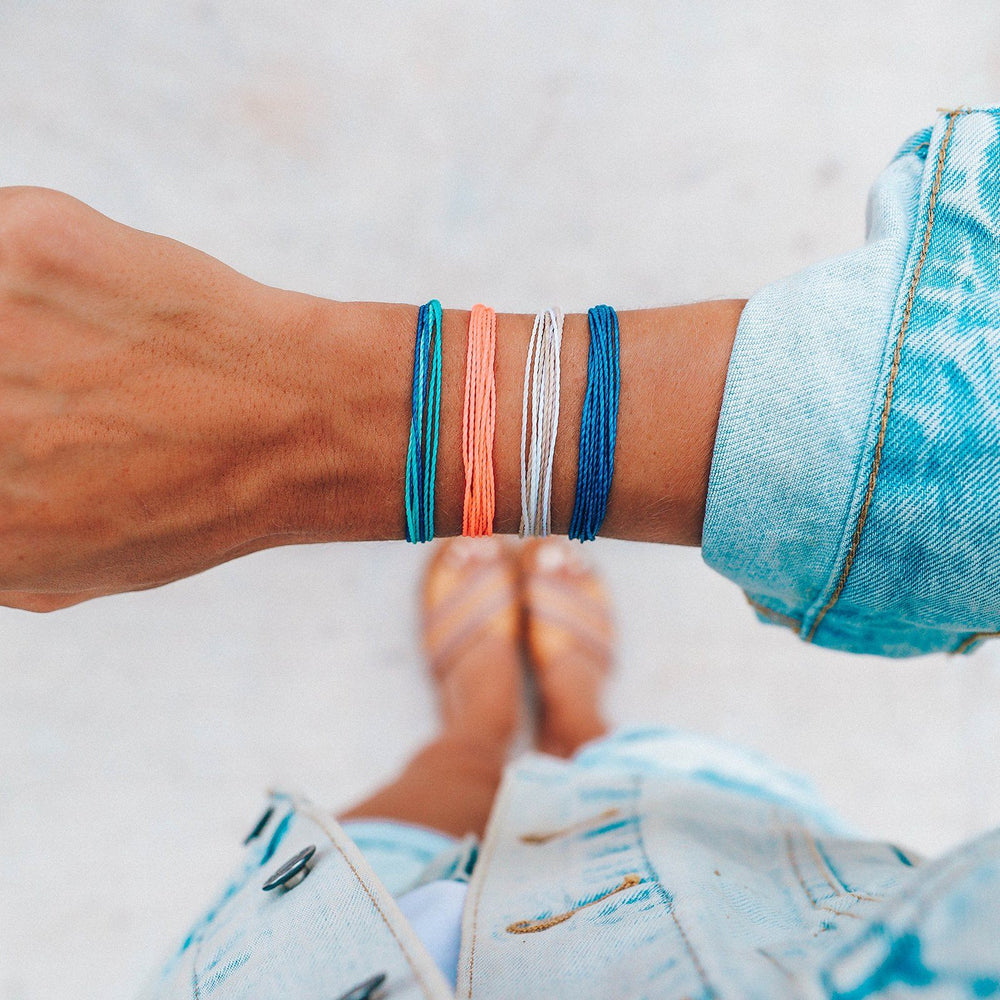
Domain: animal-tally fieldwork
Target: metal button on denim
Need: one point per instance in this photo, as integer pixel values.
(292, 872)
(365, 990)
(259, 826)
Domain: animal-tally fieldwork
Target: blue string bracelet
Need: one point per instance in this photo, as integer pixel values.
(598, 426)
(421, 452)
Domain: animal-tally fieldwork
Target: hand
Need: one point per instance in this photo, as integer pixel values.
(145, 403)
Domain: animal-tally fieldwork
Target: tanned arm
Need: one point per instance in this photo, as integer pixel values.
(161, 413)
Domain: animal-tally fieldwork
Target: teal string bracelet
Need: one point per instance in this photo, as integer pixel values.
(598, 426)
(421, 453)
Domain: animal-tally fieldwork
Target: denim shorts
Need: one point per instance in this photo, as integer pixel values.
(420, 868)
(654, 863)
(405, 855)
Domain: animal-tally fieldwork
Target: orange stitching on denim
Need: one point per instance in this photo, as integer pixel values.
(544, 838)
(775, 616)
(893, 372)
(970, 640)
(693, 955)
(630, 881)
(787, 973)
(482, 867)
(797, 871)
(831, 877)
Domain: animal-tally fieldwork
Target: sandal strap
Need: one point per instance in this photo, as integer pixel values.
(562, 598)
(464, 590)
(458, 616)
(472, 630)
(578, 630)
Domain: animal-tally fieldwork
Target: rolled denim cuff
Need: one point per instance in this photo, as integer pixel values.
(844, 427)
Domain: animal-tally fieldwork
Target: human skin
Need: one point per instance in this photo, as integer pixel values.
(161, 413)
(450, 783)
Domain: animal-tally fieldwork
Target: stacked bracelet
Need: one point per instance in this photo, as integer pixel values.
(421, 455)
(479, 423)
(598, 426)
(541, 397)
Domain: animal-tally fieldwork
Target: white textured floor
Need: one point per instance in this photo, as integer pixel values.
(519, 153)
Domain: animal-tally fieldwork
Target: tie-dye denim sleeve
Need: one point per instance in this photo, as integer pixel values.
(856, 475)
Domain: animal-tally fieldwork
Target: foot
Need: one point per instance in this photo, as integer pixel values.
(569, 636)
(471, 630)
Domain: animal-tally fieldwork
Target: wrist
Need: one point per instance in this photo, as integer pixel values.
(336, 422)
(331, 428)
(335, 466)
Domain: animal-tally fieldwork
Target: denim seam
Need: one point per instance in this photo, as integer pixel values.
(317, 819)
(814, 595)
(893, 372)
(792, 977)
(583, 824)
(479, 876)
(210, 921)
(971, 640)
(796, 869)
(778, 617)
(693, 955)
(825, 869)
(851, 618)
(929, 891)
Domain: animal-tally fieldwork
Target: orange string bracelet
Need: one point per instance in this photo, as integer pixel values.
(479, 423)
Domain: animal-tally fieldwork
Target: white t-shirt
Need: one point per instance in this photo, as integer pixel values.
(434, 911)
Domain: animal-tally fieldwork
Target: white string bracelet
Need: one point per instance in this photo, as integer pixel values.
(541, 396)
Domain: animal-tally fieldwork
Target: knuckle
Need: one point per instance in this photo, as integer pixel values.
(37, 229)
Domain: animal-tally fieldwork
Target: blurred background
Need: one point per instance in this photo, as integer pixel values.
(641, 152)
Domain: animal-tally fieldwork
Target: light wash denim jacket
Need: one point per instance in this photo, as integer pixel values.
(855, 484)
(854, 496)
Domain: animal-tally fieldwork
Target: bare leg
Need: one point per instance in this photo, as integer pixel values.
(569, 635)
(471, 630)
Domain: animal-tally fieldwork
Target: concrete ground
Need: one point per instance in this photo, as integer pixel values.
(518, 153)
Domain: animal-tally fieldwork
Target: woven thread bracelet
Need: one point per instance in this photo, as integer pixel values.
(421, 454)
(598, 426)
(541, 397)
(479, 423)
